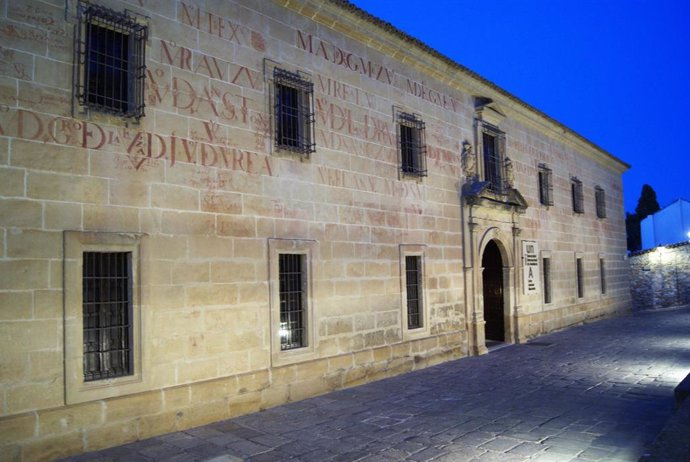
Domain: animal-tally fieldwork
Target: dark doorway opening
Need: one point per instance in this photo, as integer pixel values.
(492, 278)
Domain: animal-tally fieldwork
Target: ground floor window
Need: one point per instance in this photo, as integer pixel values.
(107, 311)
(292, 297)
(602, 275)
(103, 318)
(291, 286)
(580, 278)
(415, 316)
(546, 269)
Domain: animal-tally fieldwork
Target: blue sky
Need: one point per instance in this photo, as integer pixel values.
(615, 71)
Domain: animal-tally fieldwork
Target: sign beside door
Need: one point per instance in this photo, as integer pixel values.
(530, 267)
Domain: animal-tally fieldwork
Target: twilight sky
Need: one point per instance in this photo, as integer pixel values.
(615, 71)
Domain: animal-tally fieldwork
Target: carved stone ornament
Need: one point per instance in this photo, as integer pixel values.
(510, 173)
(469, 162)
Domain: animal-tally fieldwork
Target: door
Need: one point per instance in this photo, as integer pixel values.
(492, 278)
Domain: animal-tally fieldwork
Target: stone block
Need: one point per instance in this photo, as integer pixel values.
(126, 408)
(186, 223)
(21, 213)
(111, 435)
(11, 182)
(54, 447)
(71, 419)
(29, 243)
(17, 428)
(34, 396)
(69, 188)
(54, 158)
(16, 305)
(62, 215)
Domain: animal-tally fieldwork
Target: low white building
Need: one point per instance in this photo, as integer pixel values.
(669, 225)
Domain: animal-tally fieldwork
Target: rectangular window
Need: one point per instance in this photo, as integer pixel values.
(103, 316)
(413, 284)
(602, 275)
(110, 56)
(545, 185)
(294, 112)
(577, 195)
(412, 144)
(292, 294)
(546, 265)
(493, 148)
(600, 199)
(107, 311)
(580, 278)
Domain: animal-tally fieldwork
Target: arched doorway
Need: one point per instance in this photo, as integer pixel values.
(492, 279)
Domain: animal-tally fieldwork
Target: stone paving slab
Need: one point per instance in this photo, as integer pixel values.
(597, 392)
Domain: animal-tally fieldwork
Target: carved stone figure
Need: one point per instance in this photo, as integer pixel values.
(510, 173)
(469, 164)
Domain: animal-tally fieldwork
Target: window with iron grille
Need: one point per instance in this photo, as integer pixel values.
(413, 284)
(493, 150)
(545, 185)
(546, 269)
(580, 278)
(292, 298)
(577, 195)
(412, 145)
(600, 199)
(107, 314)
(294, 113)
(111, 65)
(602, 275)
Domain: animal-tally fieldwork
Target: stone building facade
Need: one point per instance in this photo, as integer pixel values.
(212, 207)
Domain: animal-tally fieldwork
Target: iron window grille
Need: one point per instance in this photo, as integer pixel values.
(107, 313)
(580, 278)
(294, 112)
(110, 56)
(493, 147)
(600, 199)
(545, 185)
(413, 283)
(602, 275)
(292, 296)
(577, 195)
(546, 268)
(411, 144)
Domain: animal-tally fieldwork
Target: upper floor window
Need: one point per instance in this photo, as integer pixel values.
(600, 199)
(545, 185)
(111, 62)
(294, 111)
(577, 195)
(493, 157)
(412, 144)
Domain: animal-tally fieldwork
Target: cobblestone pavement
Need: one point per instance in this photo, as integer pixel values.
(601, 391)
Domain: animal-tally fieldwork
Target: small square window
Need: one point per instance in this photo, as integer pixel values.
(577, 195)
(545, 185)
(600, 199)
(110, 55)
(294, 112)
(411, 144)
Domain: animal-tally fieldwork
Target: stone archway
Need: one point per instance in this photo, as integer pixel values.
(493, 293)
